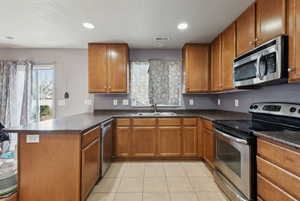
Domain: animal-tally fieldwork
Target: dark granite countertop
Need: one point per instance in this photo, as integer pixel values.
(287, 137)
(80, 123)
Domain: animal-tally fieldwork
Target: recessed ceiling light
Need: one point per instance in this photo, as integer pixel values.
(9, 37)
(88, 25)
(182, 26)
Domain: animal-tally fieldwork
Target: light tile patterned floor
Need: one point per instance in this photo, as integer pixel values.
(157, 181)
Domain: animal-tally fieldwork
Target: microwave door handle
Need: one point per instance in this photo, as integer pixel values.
(258, 66)
(238, 140)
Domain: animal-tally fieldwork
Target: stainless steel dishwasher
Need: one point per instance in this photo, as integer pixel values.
(106, 146)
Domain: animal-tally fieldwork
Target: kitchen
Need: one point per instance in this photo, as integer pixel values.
(150, 108)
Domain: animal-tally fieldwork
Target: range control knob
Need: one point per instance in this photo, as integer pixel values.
(293, 109)
(255, 107)
(299, 111)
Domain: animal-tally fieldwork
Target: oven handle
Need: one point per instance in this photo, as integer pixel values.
(238, 140)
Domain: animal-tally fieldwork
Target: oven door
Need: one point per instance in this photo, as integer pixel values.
(233, 160)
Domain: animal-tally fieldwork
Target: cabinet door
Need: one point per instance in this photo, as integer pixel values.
(200, 139)
(122, 141)
(294, 40)
(169, 141)
(271, 19)
(228, 55)
(90, 167)
(143, 141)
(97, 68)
(209, 147)
(189, 138)
(245, 31)
(196, 66)
(216, 71)
(117, 68)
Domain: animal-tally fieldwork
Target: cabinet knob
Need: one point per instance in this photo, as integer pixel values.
(290, 70)
(251, 42)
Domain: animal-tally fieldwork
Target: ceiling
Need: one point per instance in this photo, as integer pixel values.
(58, 23)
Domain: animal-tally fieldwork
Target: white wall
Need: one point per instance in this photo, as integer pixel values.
(71, 67)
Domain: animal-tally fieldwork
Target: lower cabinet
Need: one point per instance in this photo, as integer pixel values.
(90, 157)
(122, 141)
(143, 141)
(169, 141)
(189, 139)
(208, 143)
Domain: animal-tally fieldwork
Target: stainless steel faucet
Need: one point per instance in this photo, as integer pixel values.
(154, 107)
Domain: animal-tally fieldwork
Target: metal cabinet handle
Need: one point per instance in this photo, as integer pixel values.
(290, 70)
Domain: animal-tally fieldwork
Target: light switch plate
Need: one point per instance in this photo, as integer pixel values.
(88, 102)
(125, 102)
(115, 102)
(219, 101)
(61, 102)
(236, 103)
(32, 138)
(191, 101)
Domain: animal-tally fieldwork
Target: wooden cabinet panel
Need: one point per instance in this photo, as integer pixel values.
(200, 138)
(207, 124)
(228, 55)
(286, 158)
(97, 76)
(169, 121)
(294, 39)
(245, 30)
(169, 141)
(269, 192)
(122, 141)
(90, 136)
(189, 140)
(189, 121)
(90, 157)
(196, 67)
(117, 68)
(209, 147)
(143, 141)
(216, 71)
(144, 122)
(123, 122)
(280, 177)
(271, 19)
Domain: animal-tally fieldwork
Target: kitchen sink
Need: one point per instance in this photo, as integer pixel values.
(156, 114)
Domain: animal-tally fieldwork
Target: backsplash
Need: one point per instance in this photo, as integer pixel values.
(276, 93)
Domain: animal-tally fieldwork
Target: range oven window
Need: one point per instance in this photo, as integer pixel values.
(245, 71)
(229, 155)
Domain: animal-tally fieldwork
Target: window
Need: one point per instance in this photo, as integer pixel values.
(156, 81)
(43, 92)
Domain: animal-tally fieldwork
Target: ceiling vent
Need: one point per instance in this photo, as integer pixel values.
(161, 38)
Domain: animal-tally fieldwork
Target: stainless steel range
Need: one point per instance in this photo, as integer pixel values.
(235, 171)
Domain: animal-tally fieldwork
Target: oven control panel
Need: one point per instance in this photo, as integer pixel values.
(281, 109)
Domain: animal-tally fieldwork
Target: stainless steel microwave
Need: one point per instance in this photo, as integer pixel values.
(266, 64)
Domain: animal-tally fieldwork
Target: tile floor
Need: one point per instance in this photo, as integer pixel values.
(157, 181)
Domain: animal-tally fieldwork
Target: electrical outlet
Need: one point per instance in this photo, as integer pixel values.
(61, 102)
(125, 102)
(236, 103)
(219, 101)
(32, 138)
(115, 102)
(88, 102)
(191, 101)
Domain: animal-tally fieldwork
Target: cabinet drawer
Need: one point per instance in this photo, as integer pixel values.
(189, 121)
(169, 121)
(280, 177)
(207, 124)
(144, 122)
(90, 136)
(286, 158)
(270, 192)
(123, 122)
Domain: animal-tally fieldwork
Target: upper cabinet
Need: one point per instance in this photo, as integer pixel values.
(108, 68)
(228, 55)
(271, 19)
(216, 70)
(245, 31)
(196, 67)
(294, 39)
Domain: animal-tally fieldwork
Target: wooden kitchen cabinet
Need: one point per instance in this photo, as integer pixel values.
(246, 30)
(271, 17)
(108, 68)
(294, 40)
(169, 141)
(228, 55)
(122, 142)
(144, 141)
(189, 140)
(90, 161)
(200, 146)
(216, 70)
(209, 143)
(196, 67)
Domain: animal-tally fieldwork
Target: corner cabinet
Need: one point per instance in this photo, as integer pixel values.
(108, 68)
(294, 40)
(196, 68)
